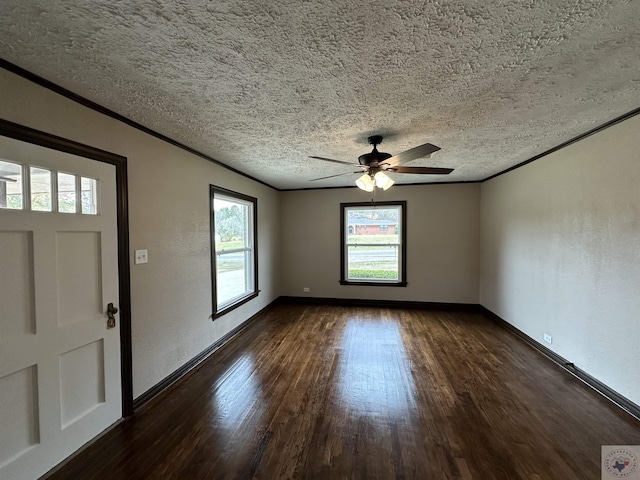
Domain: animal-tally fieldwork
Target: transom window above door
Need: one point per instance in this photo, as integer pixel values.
(36, 189)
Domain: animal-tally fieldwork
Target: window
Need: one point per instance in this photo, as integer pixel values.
(234, 256)
(10, 185)
(66, 193)
(373, 244)
(41, 190)
(35, 186)
(89, 195)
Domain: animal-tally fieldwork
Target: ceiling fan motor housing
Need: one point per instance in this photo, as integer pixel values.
(373, 158)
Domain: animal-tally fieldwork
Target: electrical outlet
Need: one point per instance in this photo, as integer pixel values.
(547, 338)
(141, 256)
(306, 289)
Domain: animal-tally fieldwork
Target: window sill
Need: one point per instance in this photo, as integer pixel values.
(373, 284)
(235, 305)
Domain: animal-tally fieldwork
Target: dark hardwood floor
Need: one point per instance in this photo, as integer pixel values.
(328, 392)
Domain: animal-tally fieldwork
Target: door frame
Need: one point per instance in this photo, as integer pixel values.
(37, 137)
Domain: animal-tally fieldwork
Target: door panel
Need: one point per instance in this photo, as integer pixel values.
(19, 400)
(79, 280)
(60, 381)
(16, 297)
(82, 381)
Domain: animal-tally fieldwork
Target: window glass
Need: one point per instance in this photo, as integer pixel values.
(66, 193)
(233, 241)
(373, 243)
(11, 185)
(40, 189)
(89, 196)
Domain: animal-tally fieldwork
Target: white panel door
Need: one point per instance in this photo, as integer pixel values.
(60, 380)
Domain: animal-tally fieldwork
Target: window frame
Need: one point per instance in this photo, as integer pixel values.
(253, 224)
(402, 281)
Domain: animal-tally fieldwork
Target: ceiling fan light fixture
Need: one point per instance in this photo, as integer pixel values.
(389, 184)
(382, 180)
(365, 183)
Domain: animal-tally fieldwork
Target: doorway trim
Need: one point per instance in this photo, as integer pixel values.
(37, 137)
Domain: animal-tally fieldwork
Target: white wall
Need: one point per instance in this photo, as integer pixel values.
(560, 253)
(169, 216)
(442, 242)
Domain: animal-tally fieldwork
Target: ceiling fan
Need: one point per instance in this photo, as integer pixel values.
(375, 164)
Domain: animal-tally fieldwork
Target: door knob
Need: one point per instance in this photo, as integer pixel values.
(111, 311)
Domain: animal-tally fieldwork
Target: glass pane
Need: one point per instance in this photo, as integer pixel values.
(40, 190)
(11, 185)
(231, 276)
(372, 263)
(232, 224)
(89, 196)
(66, 193)
(373, 225)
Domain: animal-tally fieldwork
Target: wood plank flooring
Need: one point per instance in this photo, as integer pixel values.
(330, 392)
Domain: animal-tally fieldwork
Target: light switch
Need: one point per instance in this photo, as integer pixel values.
(142, 256)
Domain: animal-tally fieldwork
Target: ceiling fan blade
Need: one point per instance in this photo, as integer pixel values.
(421, 170)
(413, 153)
(7, 179)
(331, 176)
(334, 161)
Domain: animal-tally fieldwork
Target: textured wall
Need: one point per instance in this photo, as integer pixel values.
(169, 216)
(442, 243)
(561, 253)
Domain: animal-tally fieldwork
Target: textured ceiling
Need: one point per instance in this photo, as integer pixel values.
(261, 85)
